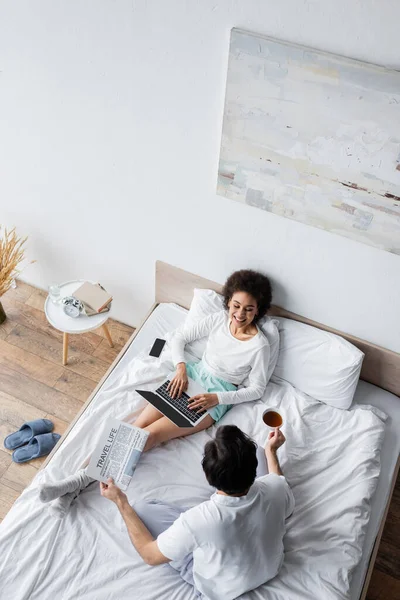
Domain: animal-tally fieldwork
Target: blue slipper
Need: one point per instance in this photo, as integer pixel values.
(26, 433)
(40, 445)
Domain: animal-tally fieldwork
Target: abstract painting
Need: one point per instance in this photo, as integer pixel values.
(314, 137)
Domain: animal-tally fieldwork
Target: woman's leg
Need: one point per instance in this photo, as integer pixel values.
(160, 431)
(148, 415)
(79, 480)
(74, 483)
(163, 430)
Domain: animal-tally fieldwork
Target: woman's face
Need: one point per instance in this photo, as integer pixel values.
(242, 309)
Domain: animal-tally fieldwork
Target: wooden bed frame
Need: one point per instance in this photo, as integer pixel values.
(381, 367)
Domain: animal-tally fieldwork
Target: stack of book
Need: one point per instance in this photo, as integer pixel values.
(94, 297)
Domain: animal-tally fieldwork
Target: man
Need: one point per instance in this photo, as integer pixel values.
(231, 543)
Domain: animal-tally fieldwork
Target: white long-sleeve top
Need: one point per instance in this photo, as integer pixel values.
(236, 361)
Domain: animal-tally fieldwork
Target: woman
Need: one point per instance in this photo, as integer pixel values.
(237, 354)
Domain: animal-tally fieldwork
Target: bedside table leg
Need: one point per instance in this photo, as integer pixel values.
(108, 335)
(65, 348)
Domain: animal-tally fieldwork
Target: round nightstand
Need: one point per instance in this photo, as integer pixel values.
(56, 317)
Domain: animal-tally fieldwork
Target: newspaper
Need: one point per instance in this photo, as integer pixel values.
(117, 453)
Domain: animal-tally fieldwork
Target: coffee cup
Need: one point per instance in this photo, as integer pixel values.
(272, 418)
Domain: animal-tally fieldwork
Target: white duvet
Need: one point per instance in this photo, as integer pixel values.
(331, 461)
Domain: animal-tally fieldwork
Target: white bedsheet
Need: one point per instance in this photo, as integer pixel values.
(331, 460)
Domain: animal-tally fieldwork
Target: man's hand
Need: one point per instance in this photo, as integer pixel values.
(203, 401)
(110, 491)
(275, 440)
(140, 536)
(179, 383)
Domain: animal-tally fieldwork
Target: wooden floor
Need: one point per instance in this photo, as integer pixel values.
(34, 384)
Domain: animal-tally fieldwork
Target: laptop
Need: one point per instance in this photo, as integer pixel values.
(176, 409)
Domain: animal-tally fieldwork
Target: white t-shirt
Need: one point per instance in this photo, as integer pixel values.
(236, 542)
(237, 361)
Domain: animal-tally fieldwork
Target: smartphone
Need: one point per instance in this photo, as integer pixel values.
(157, 347)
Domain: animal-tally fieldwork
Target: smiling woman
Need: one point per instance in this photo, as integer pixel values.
(227, 362)
(247, 297)
(255, 286)
(242, 311)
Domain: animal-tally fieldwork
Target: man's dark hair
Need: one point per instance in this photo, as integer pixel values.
(230, 461)
(253, 283)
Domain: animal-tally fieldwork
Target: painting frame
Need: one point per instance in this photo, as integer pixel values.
(314, 137)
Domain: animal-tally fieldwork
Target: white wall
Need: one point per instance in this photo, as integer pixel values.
(110, 121)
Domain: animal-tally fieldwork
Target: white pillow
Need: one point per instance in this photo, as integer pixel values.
(320, 364)
(206, 302)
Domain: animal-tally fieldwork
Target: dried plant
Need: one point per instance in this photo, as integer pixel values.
(11, 255)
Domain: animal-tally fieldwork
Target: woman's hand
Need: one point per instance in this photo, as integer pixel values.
(179, 383)
(202, 402)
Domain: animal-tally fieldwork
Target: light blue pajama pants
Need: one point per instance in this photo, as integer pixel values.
(159, 516)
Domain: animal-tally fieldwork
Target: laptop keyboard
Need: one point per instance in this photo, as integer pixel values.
(180, 403)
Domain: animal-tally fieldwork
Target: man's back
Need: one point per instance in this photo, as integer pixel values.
(236, 540)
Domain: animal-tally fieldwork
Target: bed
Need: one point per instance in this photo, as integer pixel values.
(332, 538)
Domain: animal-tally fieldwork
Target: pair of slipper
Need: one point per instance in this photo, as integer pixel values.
(32, 440)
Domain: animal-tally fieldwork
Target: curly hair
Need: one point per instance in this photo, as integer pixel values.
(253, 283)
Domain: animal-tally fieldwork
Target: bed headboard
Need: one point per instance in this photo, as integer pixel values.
(380, 367)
